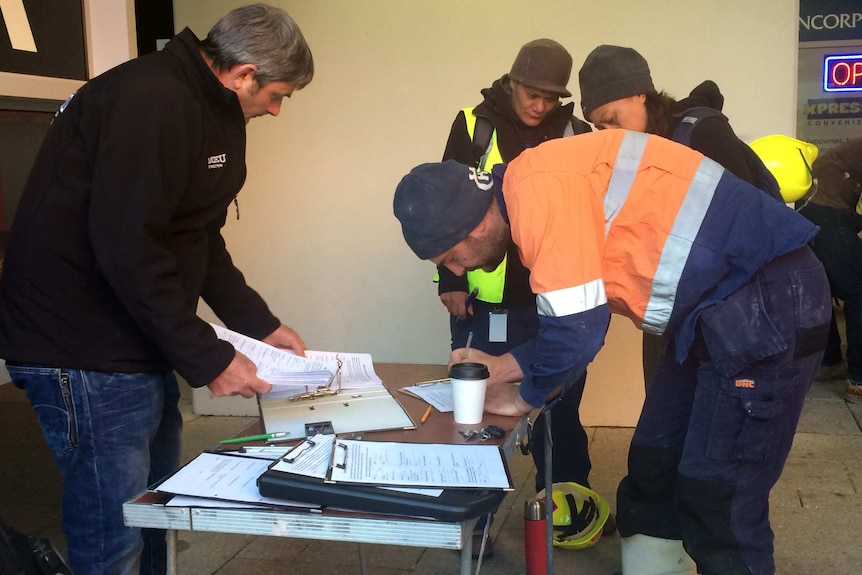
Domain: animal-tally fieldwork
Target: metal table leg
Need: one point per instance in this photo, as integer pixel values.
(362, 568)
(171, 539)
(549, 490)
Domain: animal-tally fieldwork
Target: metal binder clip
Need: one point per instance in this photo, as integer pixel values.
(343, 464)
(323, 390)
(299, 450)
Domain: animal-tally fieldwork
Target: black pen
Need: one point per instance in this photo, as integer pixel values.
(471, 298)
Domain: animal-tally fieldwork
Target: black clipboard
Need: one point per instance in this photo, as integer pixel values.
(453, 505)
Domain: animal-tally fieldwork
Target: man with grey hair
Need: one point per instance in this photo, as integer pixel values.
(116, 238)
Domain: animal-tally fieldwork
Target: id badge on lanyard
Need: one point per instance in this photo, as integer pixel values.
(497, 325)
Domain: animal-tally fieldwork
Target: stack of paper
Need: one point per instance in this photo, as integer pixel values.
(292, 375)
(221, 480)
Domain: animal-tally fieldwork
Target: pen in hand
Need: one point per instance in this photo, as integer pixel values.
(467, 347)
(471, 298)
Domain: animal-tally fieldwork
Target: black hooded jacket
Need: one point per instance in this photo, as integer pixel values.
(513, 137)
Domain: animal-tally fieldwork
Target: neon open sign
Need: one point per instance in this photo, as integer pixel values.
(842, 73)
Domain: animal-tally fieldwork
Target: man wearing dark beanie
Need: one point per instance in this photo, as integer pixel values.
(520, 110)
(622, 222)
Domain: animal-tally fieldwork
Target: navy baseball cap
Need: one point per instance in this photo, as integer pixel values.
(439, 204)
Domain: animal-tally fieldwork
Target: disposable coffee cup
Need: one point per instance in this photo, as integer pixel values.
(469, 380)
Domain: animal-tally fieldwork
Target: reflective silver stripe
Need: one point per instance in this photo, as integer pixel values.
(568, 301)
(678, 247)
(625, 169)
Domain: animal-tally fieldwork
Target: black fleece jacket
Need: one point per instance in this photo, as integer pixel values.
(118, 231)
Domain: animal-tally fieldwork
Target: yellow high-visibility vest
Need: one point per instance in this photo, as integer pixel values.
(490, 284)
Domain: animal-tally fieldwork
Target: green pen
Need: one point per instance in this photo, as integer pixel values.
(259, 437)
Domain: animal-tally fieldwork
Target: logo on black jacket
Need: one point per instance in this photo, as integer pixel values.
(217, 161)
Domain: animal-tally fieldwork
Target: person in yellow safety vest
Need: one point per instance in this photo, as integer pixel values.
(520, 110)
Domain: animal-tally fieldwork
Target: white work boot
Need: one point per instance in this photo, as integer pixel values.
(645, 555)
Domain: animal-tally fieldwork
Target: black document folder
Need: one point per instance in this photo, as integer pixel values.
(452, 505)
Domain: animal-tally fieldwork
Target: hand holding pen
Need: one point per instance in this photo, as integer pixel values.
(470, 300)
(467, 347)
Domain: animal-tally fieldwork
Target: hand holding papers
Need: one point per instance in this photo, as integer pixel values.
(318, 374)
(338, 388)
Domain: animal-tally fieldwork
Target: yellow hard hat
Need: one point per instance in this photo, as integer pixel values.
(790, 161)
(579, 515)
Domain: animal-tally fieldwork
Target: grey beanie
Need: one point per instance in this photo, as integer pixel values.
(543, 64)
(611, 73)
(439, 204)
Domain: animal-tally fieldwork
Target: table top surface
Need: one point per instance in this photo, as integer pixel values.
(438, 428)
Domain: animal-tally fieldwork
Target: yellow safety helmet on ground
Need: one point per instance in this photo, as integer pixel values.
(579, 515)
(790, 161)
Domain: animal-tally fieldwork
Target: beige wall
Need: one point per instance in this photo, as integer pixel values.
(317, 236)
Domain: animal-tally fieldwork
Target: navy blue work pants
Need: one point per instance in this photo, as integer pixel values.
(715, 430)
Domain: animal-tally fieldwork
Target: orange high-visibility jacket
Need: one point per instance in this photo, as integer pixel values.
(635, 224)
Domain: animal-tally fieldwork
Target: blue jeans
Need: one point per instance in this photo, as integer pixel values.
(112, 435)
(839, 248)
(715, 430)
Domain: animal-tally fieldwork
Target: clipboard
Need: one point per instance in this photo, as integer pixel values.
(349, 411)
(304, 474)
(452, 505)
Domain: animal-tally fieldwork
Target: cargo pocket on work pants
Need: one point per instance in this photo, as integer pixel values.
(750, 391)
(745, 408)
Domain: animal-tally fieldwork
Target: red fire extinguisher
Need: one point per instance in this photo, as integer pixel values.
(535, 540)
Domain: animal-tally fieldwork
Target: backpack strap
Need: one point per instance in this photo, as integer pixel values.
(690, 118)
(482, 134)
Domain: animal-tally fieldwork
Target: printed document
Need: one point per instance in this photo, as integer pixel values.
(438, 393)
(419, 464)
(225, 477)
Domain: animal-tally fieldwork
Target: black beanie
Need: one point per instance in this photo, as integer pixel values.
(612, 73)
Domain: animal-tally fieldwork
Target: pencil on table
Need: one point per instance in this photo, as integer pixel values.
(425, 415)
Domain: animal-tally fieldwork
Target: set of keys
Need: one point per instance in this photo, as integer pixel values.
(484, 434)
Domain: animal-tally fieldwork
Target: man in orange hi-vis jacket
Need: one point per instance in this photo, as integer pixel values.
(629, 223)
